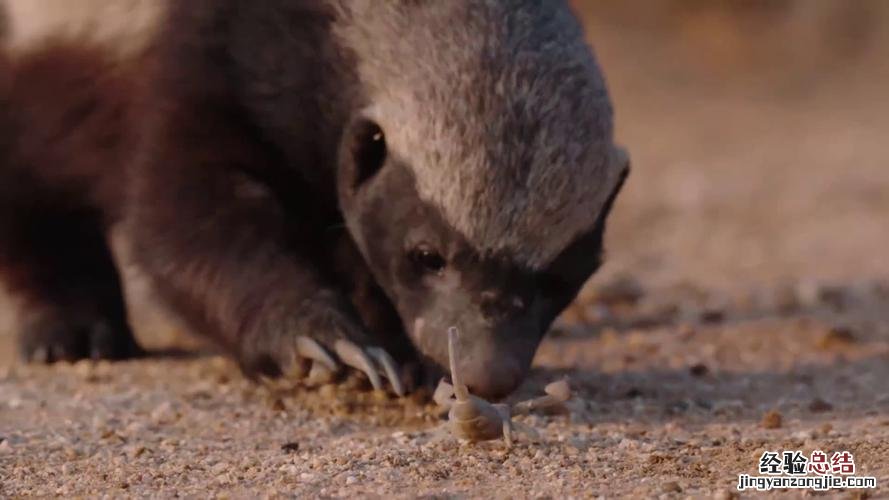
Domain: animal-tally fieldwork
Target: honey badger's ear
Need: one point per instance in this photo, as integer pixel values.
(363, 153)
(617, 173)
(620, 160)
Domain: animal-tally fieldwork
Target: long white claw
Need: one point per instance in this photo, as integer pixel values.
(311, 349)
(390, 369)
(355, 357)
(319, 374)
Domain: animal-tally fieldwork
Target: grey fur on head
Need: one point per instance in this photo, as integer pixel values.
(500, 108)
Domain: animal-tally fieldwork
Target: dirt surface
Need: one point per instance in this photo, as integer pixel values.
(744, 308)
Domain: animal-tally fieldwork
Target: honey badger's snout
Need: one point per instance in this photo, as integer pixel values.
(490, 370)
(494, 358)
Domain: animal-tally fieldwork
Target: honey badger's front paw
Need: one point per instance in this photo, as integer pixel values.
(54, 336)
(324, 334)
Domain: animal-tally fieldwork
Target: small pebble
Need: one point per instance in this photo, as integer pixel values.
(726, 495)
(819, 405)
(278, 405)
(672, 487)
(699, 370)
(327, 391)
(712, 316)
(164, 414)
(836, 338)
(772, 420)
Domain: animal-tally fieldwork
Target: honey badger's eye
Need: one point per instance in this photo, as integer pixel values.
(426, 260)
(368, 150)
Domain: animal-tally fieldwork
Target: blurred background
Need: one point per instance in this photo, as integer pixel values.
(758, 131)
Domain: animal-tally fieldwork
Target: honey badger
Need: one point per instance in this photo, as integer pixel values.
(338, 181)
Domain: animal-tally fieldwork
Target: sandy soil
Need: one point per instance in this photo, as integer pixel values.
(747, 276)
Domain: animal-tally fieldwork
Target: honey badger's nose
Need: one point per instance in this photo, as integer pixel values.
(491, 378)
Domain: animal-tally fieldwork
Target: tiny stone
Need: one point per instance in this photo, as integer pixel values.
(712, 316)
(786, 300)
(725, 495)
(291, 447)
(772, 420)
(819, 405)
(836, 337)
(672, 487)
(699, 370)
(803, 435)
(327, 391)
(351, 480)
(633, 392)
(686, 331)
(164, 414)
(836, 297)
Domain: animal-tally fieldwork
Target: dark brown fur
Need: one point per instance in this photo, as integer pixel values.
(65, 124)
(210, 214)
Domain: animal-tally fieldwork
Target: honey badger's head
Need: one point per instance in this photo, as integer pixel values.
(477, 176)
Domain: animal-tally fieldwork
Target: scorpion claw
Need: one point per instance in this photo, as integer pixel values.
(559, 390)
(443, 394)
(357, 358)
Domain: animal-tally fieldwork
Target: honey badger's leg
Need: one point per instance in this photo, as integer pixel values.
(60, 271)
(60, 127)
(233, 257)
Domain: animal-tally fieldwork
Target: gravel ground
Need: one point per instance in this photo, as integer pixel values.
(659, 409)
(744, 308)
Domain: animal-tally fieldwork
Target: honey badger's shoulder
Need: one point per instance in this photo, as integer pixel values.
(499, 105)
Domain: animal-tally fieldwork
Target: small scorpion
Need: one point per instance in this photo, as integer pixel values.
(474, 419)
